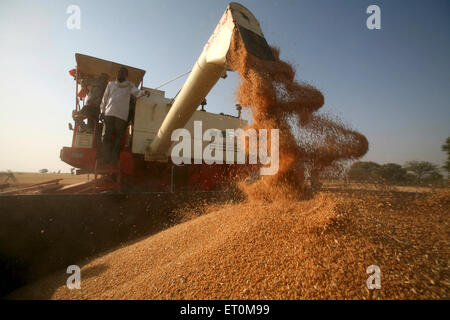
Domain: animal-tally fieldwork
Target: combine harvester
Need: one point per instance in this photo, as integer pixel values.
(145, 163)
(43, 233)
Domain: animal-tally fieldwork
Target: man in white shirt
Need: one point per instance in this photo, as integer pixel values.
(114, 110)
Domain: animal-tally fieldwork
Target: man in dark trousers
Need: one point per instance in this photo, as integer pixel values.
(94, 98)
(114, 110)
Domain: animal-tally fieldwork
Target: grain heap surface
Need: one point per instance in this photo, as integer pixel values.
(311, 249)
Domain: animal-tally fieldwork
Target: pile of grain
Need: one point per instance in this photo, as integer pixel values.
(312, 249)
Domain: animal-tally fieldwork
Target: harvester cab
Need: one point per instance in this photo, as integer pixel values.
(85, 144)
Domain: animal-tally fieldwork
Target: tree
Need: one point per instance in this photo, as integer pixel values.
(392, 172)
(363, 171)
(43, 171)
(422, 169)
(446, 148)
(433, 177)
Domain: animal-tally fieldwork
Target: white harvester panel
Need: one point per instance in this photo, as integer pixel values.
(151, 112)
(83, 140)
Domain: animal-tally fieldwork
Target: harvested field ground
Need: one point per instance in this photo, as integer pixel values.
(311, 249)
(28, 178)
(32, 178)
(379, 187)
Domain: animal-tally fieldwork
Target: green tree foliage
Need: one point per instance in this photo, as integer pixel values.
(446, 148)
(433, 177)
(422, 172)
(391, 172)
(423, 169)
(363, 171)
(43, 171)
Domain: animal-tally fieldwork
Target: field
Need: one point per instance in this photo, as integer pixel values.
(316, 248)
(25, 179)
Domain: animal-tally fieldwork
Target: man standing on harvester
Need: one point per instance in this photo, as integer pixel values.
(114, 111)
(91, 109)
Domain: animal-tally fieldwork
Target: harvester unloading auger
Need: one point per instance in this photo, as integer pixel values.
(145, 163)
(210, 66)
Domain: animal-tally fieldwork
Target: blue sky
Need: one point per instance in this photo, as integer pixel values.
(392, 84)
